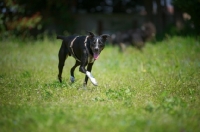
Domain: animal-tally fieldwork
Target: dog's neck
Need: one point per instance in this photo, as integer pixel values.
(89, 51)
(88, 47)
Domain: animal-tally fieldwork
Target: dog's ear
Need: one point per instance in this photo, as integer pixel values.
(105, 36)
(91, 34)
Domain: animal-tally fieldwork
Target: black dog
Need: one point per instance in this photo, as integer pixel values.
(85, 49)
(136, 37)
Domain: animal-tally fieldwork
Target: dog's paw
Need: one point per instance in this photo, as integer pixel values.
(93, 80)
(84, 86)
(72, 79)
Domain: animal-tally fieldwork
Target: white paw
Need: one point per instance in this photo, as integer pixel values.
(72, 79)
(93, 80)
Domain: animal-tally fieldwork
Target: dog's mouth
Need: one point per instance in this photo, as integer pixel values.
(96, 55)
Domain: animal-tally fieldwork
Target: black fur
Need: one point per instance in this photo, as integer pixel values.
(136, 37)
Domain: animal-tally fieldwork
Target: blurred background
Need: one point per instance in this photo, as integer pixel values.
(33, 18)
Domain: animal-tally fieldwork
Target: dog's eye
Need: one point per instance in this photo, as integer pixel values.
(101, 45)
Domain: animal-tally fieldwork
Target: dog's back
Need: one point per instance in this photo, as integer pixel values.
(73, 44)
(66, 38)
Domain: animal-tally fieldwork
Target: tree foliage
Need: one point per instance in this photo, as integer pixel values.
(24, 18)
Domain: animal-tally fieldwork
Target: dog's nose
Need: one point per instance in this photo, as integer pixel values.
(96, 49)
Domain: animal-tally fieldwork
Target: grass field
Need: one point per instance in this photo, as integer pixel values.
(157, 90)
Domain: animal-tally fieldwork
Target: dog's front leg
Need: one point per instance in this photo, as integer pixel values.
(89, 69)
(82, 69)
(89, 75)
(83, 62)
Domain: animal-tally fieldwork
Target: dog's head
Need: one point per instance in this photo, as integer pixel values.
(97, 43)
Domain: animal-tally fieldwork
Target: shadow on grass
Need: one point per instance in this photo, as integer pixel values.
(64, 84)
(57, 84)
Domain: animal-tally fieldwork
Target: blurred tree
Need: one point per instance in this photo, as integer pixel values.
(191, 7)
(23, 17)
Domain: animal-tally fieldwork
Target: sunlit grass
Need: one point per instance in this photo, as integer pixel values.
(154, 90)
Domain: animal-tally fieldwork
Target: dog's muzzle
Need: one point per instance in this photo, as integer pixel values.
(96, 53)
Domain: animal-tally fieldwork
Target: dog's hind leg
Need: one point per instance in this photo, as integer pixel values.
(62, 55)
(72, 78)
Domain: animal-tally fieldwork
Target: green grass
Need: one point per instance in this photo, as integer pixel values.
(156, 90)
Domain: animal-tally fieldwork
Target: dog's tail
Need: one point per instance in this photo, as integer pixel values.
(61, 37)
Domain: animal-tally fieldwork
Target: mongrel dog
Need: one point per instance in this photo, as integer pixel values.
(136, 37)
(85, 49)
